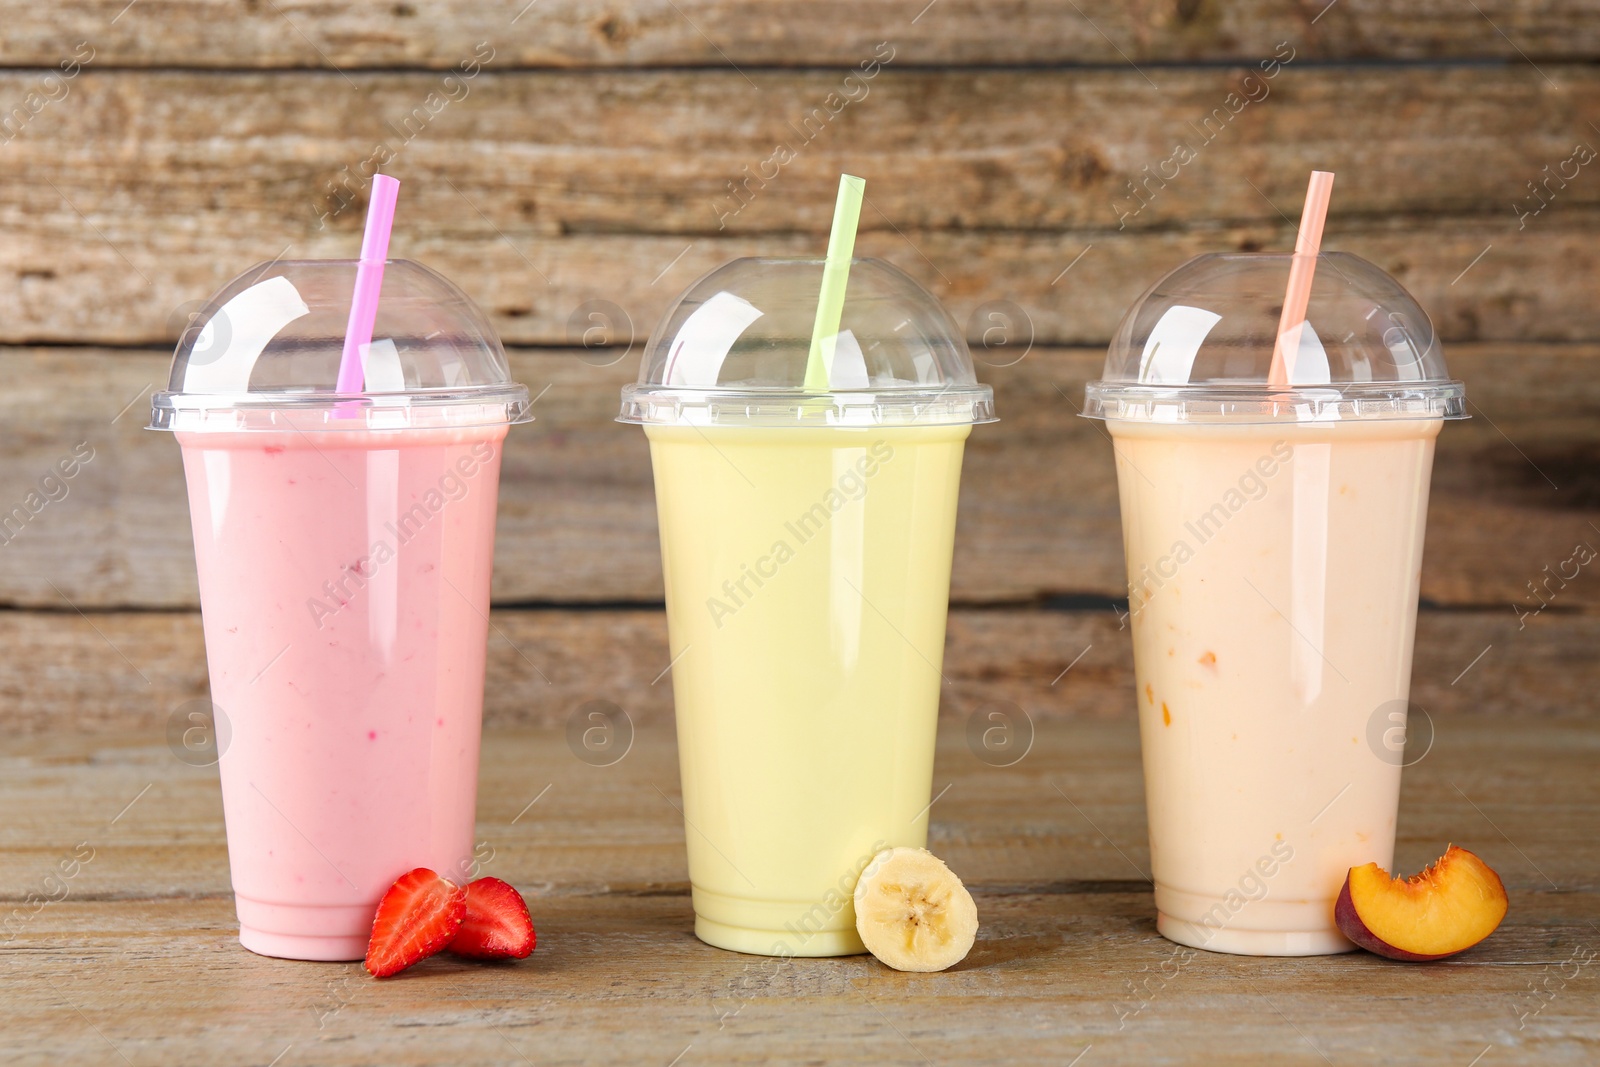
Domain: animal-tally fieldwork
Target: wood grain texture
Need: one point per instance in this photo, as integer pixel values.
(142, 946)
(1515, 489)
(120, 671)
(614, 829)
(139, 193)
(722, 33)
(622, 980)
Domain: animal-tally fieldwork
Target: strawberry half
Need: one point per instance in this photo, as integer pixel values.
(497, 926)
(417, 917)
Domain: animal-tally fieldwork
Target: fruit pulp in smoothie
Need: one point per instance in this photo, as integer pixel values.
(344, 588)
(807, 578)
(1273, 577)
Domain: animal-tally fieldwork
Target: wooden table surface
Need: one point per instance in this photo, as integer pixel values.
(137, 960)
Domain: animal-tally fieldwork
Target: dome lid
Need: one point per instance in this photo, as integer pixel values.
(1198, 346)
(733, 350)
(264, 354)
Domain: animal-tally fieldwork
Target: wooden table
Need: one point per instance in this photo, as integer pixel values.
(138, 961)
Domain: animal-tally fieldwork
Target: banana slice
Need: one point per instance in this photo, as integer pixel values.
(913, 913)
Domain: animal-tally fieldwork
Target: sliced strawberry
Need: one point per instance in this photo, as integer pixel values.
(497, 926)
(417, 917)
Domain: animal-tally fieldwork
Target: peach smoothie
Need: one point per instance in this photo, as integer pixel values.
(344, 585)
(1273, 575)
(807, 577)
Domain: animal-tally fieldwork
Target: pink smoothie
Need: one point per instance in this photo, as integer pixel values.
(344, 583)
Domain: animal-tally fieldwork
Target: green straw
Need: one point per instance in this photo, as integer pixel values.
(835, 276)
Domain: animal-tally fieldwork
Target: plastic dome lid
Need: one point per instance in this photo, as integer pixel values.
(1198, 345)
(733, 351)
(264, 355)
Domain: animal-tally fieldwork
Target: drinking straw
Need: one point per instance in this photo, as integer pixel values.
(369, 282)
(1301, 268)
(835, 276)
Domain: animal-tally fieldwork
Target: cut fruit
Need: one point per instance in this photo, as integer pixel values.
(1446, 909)
(497, 926)
(913, 913)
(417, 917)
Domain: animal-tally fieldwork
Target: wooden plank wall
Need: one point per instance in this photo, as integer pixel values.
(564, 153)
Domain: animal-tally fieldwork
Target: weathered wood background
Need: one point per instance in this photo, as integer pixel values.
(155, 149)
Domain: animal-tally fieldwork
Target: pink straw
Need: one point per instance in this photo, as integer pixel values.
(369, 282)
(1301, 269)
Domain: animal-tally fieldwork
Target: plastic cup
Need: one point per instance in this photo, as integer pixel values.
(344, 544)
(1274, 546)
(805, 543)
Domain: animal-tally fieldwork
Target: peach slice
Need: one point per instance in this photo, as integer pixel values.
(1446, 909)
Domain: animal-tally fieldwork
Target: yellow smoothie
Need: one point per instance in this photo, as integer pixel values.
(807, 579)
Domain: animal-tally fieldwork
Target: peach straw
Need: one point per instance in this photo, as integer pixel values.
(1301, 269)
(369, 283)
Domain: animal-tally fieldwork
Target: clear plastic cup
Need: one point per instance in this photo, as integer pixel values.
(1274, 547)
(805, 542)
(344, 545)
